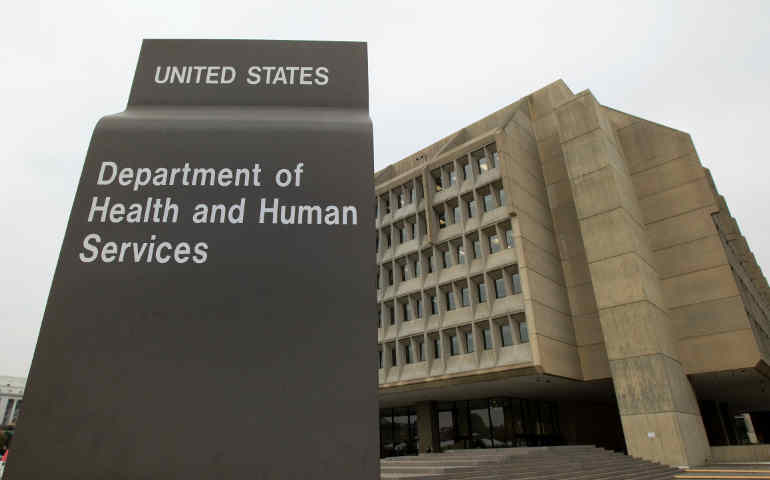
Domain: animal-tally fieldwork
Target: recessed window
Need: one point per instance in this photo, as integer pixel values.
(402, 235)
(481, 289)
(436, 347)
(506, 335)
(416, 268)
(509, 238)
(471, 208)
(390, 276)
(379, 354)
(430, 263)
(377, 243)
(387, 239)
(450, 300)
(386, 205)
(486, 335)
(456, 214)
(392, 315)
(414, 230)
(460, 254)
(418, 307)
(447, 258)
(482, 162)
(501, 195)
(467, 174)
(489, 202)
(441, 218)
(420, 350)
(454, 345)
(379, 317)
(523, 332)
(494, 243)
(452, 177)
(393, 357)
(476, 248)
(516, 283)
(436, 174)
(493, 155)
(469, 347)
(407, 311)
(404, 274)
(408, 353)
(401, 198)
(465, 296)
(499, 287)
(433, 305)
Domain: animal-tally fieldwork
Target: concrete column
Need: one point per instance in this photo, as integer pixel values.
(660, 416)
(427, 428)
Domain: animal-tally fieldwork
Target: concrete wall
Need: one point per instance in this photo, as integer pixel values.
(741, 453)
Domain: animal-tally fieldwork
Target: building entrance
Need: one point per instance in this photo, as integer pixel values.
(398, 432)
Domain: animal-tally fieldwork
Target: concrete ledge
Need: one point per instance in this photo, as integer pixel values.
(741, 453)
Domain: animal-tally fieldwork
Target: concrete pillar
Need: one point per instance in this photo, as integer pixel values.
(427, 428)
(660, 415)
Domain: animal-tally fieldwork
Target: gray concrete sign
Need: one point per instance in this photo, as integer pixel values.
(212, 312)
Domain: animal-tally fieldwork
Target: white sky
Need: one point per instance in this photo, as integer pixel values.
(702, 67)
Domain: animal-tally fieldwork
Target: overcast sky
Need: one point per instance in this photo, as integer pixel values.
(702, 67)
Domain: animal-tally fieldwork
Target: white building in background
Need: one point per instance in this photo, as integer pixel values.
(11, 394)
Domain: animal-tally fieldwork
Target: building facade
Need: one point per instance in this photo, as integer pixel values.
(563, 272)
(11, 399)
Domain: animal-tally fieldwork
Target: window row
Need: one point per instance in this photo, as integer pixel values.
(479, 336)
(475, 163)
(450, 296)
(458, 251)
(471, 165)
(459, 210)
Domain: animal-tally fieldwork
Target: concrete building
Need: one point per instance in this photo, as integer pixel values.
(564, 272)
(11, 395)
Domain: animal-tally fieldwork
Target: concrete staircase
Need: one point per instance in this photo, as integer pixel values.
(574, 462)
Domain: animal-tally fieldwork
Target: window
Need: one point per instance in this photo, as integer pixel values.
(377, 243)
(489, 203)
(379, 352)
(441, 218)
(402, 235)
(499, 287)
(393, 358)
(452, 176)
(454, 344)
(379, 317)
(471, 208)
(420, 350)
(404, 275)
(407, 311)
(465, 296)
(416, 268)
(414, 230)
(408, 353)
(509, 238)
(456, 214)
(494, 156)
(436, 174)
(476, 248)
(516, 283)
(418, 307)
(486, 335)
(390, 276)
(523, 332)
(433, 305)
(392, 312)
(506, 336)
(481, 289)
(450, 300)
(467, 171)
(436, 347)
(401, 199)
(501, 194)
(430, 263)
(482, 162)
(447, 258)
(469, 342)
(494, 243)
(460, 254)
(386, 203)
(377, 282)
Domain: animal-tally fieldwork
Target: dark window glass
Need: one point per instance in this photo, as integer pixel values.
(401, 199)
(407, 312)
(460, 255)
(387, 239)
(523, 332)
(469, 347)
(377, 243)
(482, 291)
(404, 275)
(420, 351)
(493, 155)
(387, 206)
(379, 317)
(467, 171)
(390, 276)
(437, 179)
(413, 192)
(430, 263)
(450, 300)
(380, 358)
(456, 214)
(494, 243)
(477, 248)
(447, 257)
(516, 283)
(441, 220)
(393, 358)
(414, 230)
(417, 269)
(436, 348)
(489, 203)
(482, 162)
(502, 197)
(418, 306)
(509, 238)
(402, 235)
(377, 282)
(454, 345)
(433, 305)
(471, 208)
(452, 177)
(392, 315)
(506, 336)
(408, 353)
(487, 336)
(465, 296)
(499, 288)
